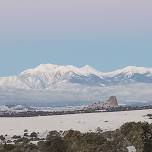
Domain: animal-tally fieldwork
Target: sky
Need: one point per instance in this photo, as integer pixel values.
(106, 34)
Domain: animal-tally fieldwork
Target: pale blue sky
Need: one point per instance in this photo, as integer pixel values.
(106, 34)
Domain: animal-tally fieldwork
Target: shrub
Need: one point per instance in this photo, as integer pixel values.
(34, 135)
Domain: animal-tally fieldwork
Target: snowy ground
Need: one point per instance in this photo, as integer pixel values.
(82, 122)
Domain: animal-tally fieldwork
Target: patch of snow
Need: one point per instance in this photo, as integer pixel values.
(81, 122)
(131, 149)
(34, 142)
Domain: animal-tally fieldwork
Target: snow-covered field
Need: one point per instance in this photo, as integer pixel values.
(82, 122)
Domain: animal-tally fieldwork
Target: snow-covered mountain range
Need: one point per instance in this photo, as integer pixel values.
(46, 76)
(50, 82)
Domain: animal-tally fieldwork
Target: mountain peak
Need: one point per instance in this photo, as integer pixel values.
(88, 69)
(50, 68)
(46, 67)
(134, 69)
(129, 71)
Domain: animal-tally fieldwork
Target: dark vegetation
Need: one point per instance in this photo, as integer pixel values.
(33, 113)
(134, 134)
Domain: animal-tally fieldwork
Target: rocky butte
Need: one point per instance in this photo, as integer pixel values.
(112, 102)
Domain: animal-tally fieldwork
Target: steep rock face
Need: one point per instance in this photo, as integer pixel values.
(110, 103)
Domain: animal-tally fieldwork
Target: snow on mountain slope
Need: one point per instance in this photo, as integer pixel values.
(130, 71)
(51, 68)
(90, 70)
(47, 76)
(130, 74)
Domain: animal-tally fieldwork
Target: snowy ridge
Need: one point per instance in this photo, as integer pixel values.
(46, 76)
(51, 68)
(131, 70)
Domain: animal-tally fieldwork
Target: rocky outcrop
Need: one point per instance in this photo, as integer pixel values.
(110, 103)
